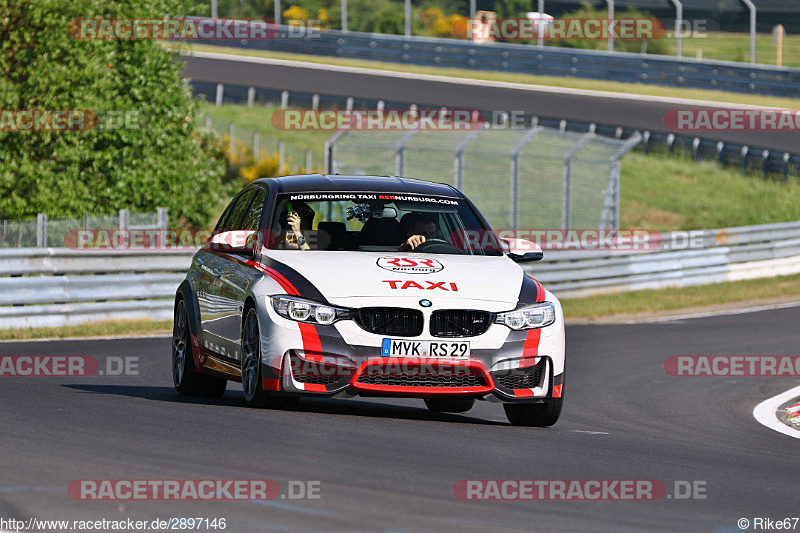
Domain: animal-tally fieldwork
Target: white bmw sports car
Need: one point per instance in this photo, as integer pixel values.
(341, 286)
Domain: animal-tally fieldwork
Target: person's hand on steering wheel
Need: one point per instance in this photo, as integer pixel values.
(414, 241)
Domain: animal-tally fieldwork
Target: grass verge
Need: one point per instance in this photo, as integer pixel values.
(668, 193)
(664, 300)
(100, 329)
(551, 81)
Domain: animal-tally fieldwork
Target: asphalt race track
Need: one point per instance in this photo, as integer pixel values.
(640, 112)
(391, 465)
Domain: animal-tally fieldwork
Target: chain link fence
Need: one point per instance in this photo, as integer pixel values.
(519, 178)
(294, 157)
(46, 232)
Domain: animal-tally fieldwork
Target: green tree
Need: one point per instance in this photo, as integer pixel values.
(166, 161)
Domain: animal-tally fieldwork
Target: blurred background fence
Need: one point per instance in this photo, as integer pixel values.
(293, 158)
(44, 231)
(535, 177)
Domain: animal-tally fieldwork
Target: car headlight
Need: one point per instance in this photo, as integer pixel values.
(530, 317)
(307, 311)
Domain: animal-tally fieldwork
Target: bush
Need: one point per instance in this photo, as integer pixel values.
(166, 162)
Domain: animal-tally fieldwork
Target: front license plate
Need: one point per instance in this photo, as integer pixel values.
(430, 349)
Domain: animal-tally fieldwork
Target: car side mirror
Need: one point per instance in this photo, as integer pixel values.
(522, 251)
(239, 242)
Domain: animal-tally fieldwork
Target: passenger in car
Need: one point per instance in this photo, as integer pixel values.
(296, 218)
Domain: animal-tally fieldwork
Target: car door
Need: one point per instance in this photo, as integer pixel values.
(237, 277)
(218, 300)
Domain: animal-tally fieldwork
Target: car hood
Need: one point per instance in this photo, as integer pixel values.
(342, 276)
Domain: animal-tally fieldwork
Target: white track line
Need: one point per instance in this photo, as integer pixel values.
(766, 412)
(470, 81)
(97, 338)
(708, 314)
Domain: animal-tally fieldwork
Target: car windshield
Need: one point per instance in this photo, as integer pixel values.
(377, 222)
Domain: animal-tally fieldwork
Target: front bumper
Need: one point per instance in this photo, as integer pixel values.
(344, 360)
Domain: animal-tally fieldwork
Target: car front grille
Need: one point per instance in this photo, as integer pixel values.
(318, 373)
(459, 323)
(520, 378)
(395, 321)
(317, 380)
(423, 377)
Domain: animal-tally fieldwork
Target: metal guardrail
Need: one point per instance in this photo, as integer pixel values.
(729, 254)
(543, 61)
(54, 287)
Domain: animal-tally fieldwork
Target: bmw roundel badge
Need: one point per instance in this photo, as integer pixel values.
(425, 303)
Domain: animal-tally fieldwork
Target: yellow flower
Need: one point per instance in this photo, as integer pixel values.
(296, 13)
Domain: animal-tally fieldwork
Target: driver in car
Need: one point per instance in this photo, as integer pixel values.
(420, 228)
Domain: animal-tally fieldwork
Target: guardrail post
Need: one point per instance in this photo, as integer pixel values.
(678, 27)
(330, 143)
(214, 9)
(308, 161)
(124, 219)
(41, 230)
(407, 9)
(220, 94)
(277, 12)
(513, 217)
(315, 102)
(281, 150)
(611, 209)
(752, 7)
(349, 104)
(458, 163)
(231, 136)
(256, 147)
(566, 206)
(344, 16)
(611, 19)
(284, 99)
(786, 158)
(251, 96)
(163, 218)
(400, 152)
(539, 32)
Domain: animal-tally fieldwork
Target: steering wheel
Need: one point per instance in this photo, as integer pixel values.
(436, 246)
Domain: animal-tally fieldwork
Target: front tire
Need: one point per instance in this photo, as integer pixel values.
(185, 377)
(534, 414)
(449, 405)
(252, 382)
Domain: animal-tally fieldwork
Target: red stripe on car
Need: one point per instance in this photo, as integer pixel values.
(270, 384)
(312, 346)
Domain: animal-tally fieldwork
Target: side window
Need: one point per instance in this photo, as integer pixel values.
(221, 221)
(253, 217)
(233, 220)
